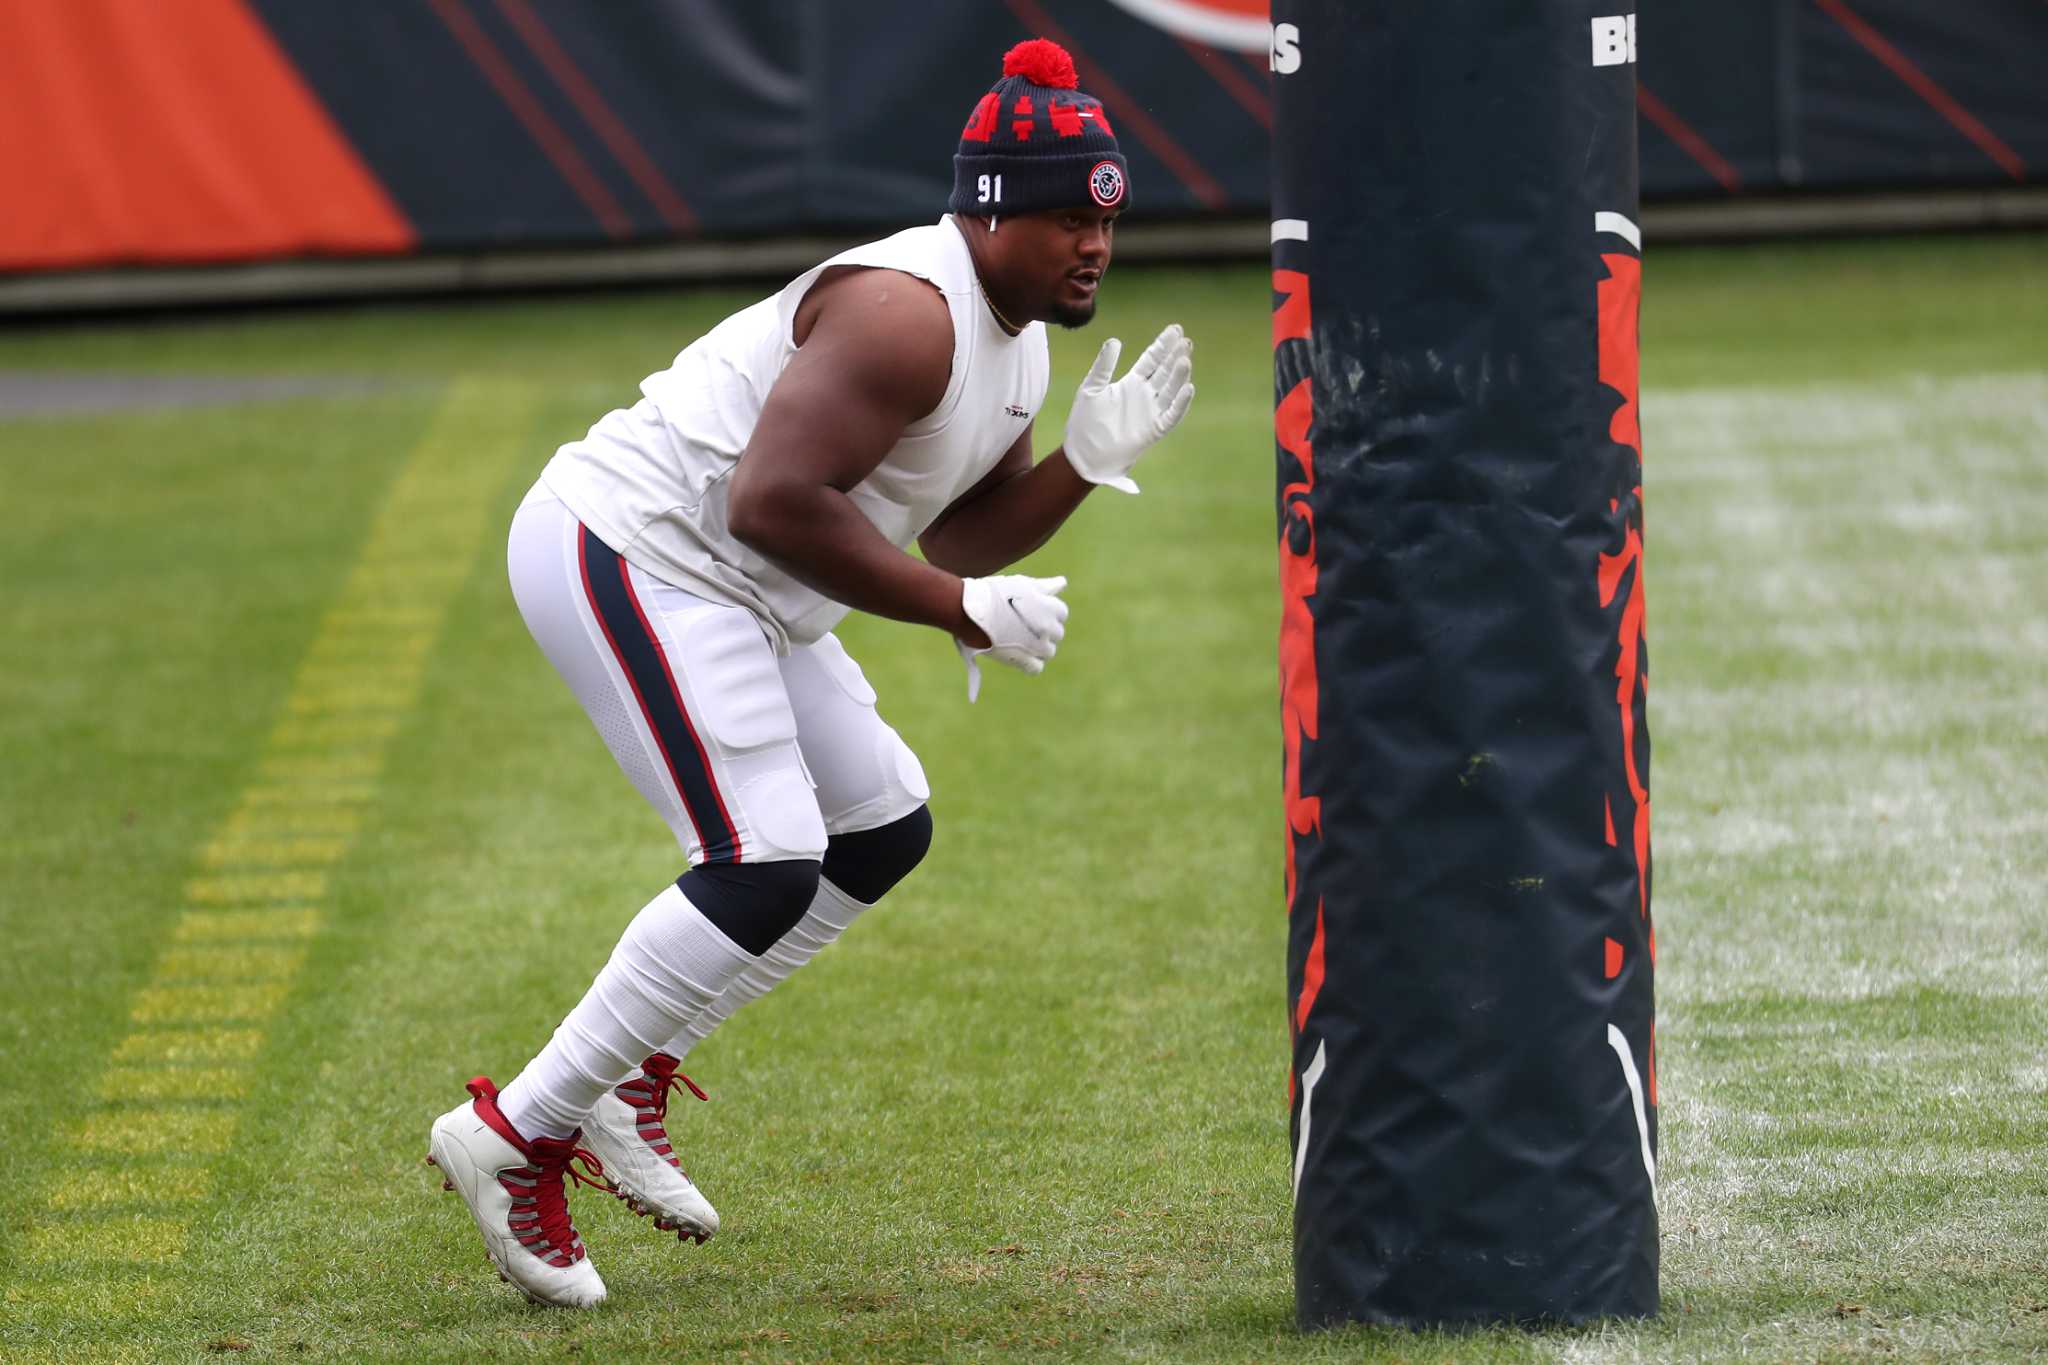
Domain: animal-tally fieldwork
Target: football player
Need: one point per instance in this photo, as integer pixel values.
(683, 564)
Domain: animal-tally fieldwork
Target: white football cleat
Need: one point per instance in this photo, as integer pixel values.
(625, 1130)
(514, 1191)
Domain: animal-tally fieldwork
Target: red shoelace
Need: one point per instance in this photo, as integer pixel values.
(540, 1206)
(648, 1094)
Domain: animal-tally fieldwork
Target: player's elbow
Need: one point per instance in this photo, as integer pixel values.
(940, 551)
(750, 512)
(969, 550)
(743, 518)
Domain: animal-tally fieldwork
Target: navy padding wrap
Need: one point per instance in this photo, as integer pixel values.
(753, 904)
(867, 863)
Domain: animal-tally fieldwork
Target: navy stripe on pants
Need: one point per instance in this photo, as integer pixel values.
(647, 669)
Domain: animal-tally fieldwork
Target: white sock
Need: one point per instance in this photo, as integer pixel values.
(831, 911)
(670, 964)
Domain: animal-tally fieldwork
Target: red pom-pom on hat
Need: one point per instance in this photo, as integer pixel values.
(1042, 62)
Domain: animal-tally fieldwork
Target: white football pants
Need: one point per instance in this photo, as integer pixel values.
(749, 758)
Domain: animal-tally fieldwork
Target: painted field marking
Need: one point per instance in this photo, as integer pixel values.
(169, 1101)
(200, 926)
(109, 1239)
(209, 1046)
(242, 888)
(144, 1185)
(239, 848)
(148, 1131)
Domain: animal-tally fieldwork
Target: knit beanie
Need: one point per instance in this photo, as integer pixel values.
(1036, 142)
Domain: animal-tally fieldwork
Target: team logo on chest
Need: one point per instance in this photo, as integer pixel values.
(1106, 183)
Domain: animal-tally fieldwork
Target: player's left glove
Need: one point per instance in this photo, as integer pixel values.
(1023, 618)
(1112, 424)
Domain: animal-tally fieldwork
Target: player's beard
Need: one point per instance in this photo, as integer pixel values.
(1074, 316)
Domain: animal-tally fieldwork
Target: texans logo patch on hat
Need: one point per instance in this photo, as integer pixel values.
(1106, 183)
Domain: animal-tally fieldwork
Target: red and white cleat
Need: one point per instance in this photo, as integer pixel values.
(625, 1129)
(514, 1191)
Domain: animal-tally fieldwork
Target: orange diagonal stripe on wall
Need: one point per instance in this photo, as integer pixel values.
(171, 133)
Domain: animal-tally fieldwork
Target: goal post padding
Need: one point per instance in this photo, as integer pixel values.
(1470, 954)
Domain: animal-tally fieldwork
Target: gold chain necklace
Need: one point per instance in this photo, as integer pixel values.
(1012, 328)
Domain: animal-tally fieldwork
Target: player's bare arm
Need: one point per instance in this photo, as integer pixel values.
(1018, 506)
(1014, 510)
(874, 355)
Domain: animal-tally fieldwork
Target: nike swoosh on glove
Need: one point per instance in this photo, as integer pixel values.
(1112, 424)
(1023, 618)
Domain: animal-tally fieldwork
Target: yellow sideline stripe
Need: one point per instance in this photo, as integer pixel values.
(168, 1102)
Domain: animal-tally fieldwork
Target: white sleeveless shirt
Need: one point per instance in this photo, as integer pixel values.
(651, 481)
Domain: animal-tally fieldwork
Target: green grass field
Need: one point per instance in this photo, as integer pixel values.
(1035, 1106)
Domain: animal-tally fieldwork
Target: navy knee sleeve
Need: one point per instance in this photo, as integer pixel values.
(866, 863)
(753, 904)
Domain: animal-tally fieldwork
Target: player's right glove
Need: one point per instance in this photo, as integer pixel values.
(1023, 618)
(1111, 424)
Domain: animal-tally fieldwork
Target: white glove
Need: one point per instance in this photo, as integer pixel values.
(1023, 618)
(1110, 425)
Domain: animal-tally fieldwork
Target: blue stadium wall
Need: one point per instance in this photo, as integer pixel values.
(223, 130)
